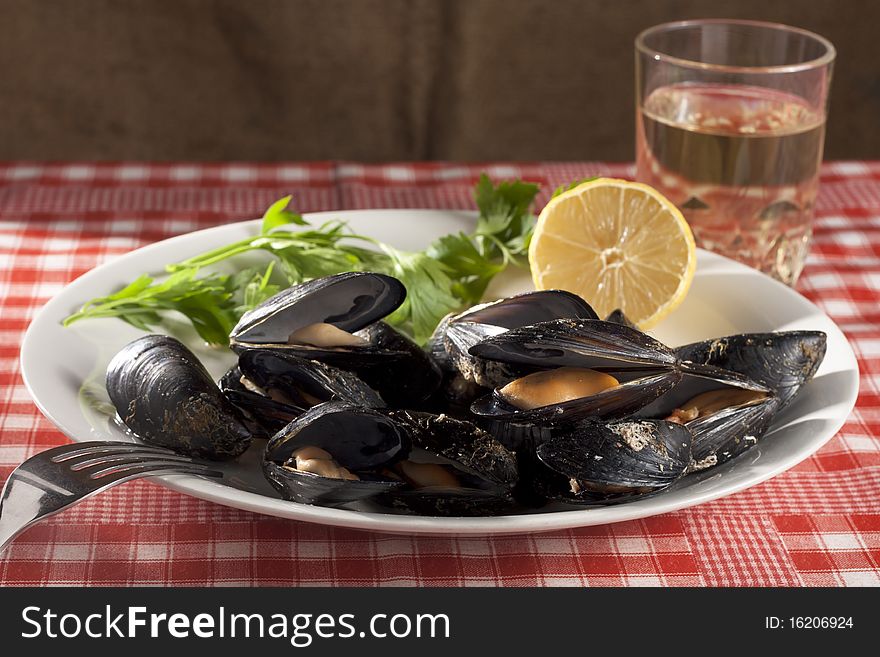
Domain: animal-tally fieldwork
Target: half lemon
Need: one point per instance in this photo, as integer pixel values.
(618, 244)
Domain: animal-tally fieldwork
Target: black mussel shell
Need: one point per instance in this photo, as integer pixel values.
(520, 437)
(527, 309)
(348, 301)
(726, 434)
(456, 335)
(359, 439)
(436, 346)
(644, 366)
(781, 361)
(231, 381)
(696, 379)
(262, 416)
(476, 452)
(309, 488)
(596, 462)
(285, 385)
(591, 344)
(618, 402)
(164, 395)
(486, 470)
(618, 317)
(405, 381)
(302, 383)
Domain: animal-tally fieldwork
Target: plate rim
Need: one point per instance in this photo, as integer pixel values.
(216, 492)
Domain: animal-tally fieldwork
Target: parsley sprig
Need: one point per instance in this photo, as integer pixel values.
(451, 274)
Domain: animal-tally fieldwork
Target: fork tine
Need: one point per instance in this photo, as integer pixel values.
(67, 452)
(61, 450)
(39, 487)
(123, 459)
(133, 470)
(12, 524)
(143, 466)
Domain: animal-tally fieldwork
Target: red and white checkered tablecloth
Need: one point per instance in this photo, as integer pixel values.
(818, 524)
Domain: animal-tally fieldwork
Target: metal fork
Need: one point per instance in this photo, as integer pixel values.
(60, 477)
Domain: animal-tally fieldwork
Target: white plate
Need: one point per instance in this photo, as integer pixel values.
(63, 368)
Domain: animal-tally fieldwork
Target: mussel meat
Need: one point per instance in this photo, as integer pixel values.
(317, 320)
(725, 411)
(333, 454)
(727, 427)
(570, 370)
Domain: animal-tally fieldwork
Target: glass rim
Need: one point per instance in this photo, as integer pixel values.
(824, 60)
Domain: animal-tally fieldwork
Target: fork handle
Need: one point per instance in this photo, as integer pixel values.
(14, 519)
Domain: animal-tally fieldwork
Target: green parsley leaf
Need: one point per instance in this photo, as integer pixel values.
(277, 215)
(451, 274)
(505, 224)
(429, 297)
(257, 287)
(204, 301)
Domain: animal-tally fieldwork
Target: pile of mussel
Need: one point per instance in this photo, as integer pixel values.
(513, 405)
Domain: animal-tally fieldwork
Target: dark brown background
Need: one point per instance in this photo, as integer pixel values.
(369, 80)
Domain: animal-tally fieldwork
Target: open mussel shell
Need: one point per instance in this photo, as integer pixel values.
(349, 302)
(466, 377)
(484, 472)
(597, 463)
(695, 379)
(406, 380)
(359, 439)
(617, 402)
(309, 488)
(523, 430)
(592, 344)
(275, 386)
(734, 411)
(303, 383)
(526, 309)
(644, 367)
(261, 414)
(781, 361)
(456, 335)
(164, 395)
(729, 432)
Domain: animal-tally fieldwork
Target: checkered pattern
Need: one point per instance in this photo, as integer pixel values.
(818, 524)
